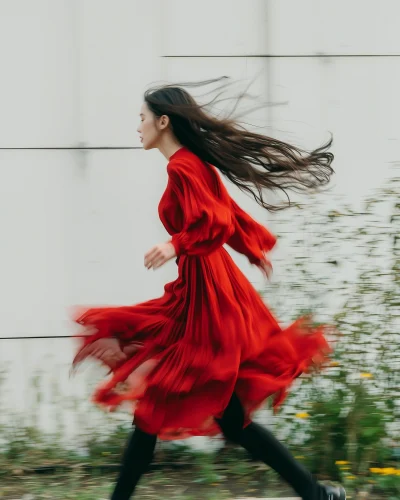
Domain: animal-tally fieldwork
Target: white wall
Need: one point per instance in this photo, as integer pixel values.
(76, 218)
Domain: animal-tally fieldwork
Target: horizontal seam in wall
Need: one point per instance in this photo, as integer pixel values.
(294, 56)
(43, 337)
(72, 148)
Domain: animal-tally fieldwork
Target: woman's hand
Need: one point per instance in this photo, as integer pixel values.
(266, 268)
(159, 255)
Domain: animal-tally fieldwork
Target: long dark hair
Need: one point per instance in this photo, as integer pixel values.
(252, 161)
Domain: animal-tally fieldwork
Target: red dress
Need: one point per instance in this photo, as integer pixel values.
(179, 357)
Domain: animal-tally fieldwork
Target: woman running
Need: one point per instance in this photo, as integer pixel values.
(200, 359)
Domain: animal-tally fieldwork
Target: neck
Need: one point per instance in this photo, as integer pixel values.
(169, 146)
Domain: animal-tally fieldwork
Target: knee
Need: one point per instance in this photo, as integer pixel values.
(232, 421)
(146, 443)
(141, 447)
(230, 430)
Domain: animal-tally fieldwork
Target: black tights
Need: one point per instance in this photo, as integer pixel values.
(259, 442)
(136, 460)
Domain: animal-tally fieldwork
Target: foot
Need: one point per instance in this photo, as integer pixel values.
(334, 492)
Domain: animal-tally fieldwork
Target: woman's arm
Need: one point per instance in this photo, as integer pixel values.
(207, 219)
(250, 238)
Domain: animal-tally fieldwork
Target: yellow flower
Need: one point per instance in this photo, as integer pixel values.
(375, 470)
(345, 467)
(366, 375)
(351, 477)
(341, 462)
(388, 471)
(302, 415)
(335, 363)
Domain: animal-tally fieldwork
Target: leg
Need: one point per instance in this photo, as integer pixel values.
(262, 445)
(137, 457)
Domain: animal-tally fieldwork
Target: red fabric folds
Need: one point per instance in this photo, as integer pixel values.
(177, 358)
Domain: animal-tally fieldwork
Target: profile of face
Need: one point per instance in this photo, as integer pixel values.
(151, 128)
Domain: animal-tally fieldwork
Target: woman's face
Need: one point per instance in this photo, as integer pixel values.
(149, 128)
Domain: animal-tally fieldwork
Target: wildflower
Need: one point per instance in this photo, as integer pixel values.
(388, 471)
(345, 467)
(375, 470)
(341, 462)
(351, 477)
(302, 415)
(366, 375)
(335, 363)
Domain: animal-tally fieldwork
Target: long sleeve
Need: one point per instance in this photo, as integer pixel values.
(250, 238)
(207, 221)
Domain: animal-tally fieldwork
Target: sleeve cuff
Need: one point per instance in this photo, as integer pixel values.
(175, 243)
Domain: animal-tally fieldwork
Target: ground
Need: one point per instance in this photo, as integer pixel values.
(184, 484)
(174, 485)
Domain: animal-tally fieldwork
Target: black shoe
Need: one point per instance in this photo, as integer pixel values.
(334, 492)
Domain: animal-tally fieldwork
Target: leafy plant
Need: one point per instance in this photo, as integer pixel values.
(352, 409)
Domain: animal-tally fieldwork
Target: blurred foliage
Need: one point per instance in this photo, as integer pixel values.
(349, 415)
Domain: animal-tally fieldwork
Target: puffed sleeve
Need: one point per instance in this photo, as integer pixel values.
(207, 220)
(250, 238)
